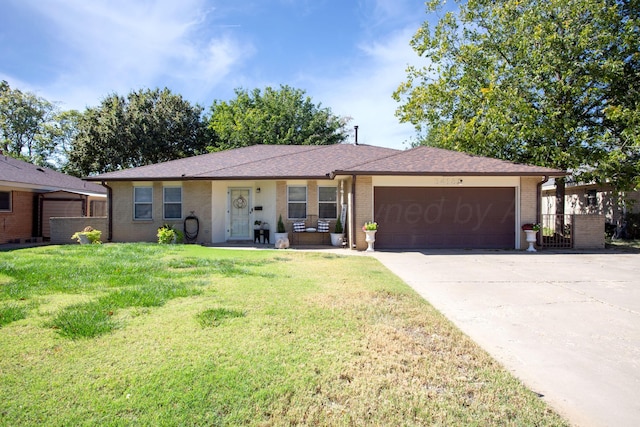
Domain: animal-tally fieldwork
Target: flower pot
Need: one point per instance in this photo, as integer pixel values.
(84, 239)
(531, 239)
(282, 240)
(336, 239)
(370, 239)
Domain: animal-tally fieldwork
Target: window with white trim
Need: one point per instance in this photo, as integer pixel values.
(327, 202)
(5, 201)
(297, 202)
(142, 202)
(172, 202)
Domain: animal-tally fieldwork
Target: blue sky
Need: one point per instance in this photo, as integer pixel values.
(348, 55)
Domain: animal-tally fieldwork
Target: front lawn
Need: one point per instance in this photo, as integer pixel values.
(145, 334)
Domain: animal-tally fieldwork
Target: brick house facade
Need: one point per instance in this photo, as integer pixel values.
(229, 191)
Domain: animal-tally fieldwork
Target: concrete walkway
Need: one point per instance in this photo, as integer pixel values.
(567, 325)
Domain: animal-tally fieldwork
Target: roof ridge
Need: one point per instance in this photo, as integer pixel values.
(377, 159)
(263, 159)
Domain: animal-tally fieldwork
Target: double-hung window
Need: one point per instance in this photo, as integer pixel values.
(327, 202)
(5, 201)
(142, 202)
(297, 202)
(172, 202)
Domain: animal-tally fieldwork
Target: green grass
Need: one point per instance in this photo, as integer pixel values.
(215, 316)
(12, 312)
(626, 245)
(146, 334)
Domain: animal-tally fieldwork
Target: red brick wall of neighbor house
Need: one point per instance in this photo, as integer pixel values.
(17, 224)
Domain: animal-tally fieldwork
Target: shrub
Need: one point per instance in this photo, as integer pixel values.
(93, 236)
(338, 229)
(168, 234)
(281, 228)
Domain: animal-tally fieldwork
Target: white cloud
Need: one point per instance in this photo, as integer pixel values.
(365, 91)
(119, 46)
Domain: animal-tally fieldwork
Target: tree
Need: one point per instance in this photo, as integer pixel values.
(63, 131)
(25, 125)
(283, 116)
(554, 83)
(146, 127)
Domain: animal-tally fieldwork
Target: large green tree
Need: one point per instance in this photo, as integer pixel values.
(26, 122)
(273, 116)
(145, 127)
(554, 83)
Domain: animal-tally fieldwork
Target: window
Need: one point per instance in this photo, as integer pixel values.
(5, 201)
(297, 202)
(172, 202)
(142, 202)
(327, 202)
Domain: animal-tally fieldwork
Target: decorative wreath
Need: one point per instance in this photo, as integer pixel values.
(240, 203)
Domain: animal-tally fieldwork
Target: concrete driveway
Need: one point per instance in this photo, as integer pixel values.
(567, 325)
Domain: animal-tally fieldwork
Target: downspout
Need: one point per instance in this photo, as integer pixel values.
(539, 205)
(109, 211)
(352, 226)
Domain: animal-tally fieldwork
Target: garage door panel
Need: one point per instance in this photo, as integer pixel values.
(426, 217)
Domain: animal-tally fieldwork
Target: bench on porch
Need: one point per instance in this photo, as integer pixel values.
(310, 231)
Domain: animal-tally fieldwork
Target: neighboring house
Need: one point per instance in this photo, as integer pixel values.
(421, 198)
(30, 195)
(591, 198)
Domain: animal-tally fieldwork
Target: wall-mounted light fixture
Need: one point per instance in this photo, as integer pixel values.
(460, 182)
(258, 190)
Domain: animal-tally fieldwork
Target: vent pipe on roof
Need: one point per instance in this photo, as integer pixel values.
(356, 129)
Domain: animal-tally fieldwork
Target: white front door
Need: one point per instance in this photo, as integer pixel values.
(240, 213)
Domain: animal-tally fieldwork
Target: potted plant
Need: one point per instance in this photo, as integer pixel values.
(531, 230)
(168, 234)
(257, 224)
(338, 234)
(281, 236)
(87, 236)
(370, 228)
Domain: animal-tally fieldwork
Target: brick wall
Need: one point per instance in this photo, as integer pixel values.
(196, 197)
(18, 224)
(63, 228)
(528, 205)
(588, 231)
(364, 208)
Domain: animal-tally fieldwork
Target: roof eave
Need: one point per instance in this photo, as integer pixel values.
(444, 173)
(210, 178)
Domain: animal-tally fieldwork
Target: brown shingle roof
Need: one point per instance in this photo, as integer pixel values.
(256, 162)
(15, 172)
(321, 161)
(436, 161)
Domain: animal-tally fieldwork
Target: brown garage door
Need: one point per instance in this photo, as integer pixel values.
(445, 218)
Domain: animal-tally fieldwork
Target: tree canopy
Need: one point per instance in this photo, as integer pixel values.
(26, 125)
(554, 83)
(145, 127)
(283, 116)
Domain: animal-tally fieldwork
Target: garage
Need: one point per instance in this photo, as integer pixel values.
(445, 217)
